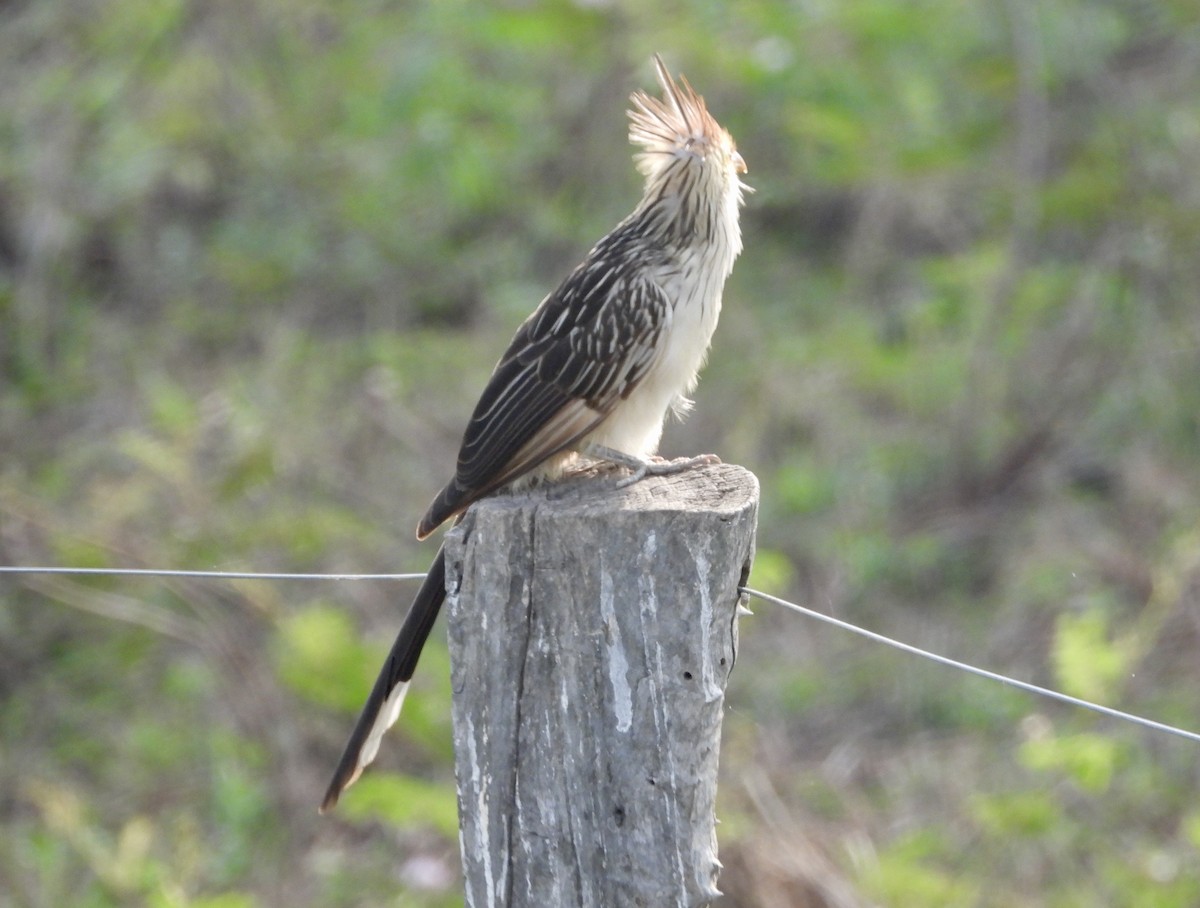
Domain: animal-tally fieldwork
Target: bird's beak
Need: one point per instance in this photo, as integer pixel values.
(739, 163)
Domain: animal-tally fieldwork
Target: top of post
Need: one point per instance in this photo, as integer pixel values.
(715, 488)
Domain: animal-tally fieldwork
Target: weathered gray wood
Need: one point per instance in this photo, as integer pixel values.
(592, 631)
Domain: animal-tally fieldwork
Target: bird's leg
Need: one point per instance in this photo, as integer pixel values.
(649, 467)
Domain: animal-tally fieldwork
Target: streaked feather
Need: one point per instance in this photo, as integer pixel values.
(602, 359)
(583, 350)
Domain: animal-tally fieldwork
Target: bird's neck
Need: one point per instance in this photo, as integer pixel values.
(693, 211)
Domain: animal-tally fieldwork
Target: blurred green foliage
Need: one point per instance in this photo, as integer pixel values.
(256, 260)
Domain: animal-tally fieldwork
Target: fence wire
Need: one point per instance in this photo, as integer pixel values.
(765, 597)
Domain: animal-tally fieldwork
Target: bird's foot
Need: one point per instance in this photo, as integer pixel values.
(652, 466)
(659, 466)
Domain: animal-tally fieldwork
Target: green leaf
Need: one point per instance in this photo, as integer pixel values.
(906, 874)
(1023, 814)
(772, 571)
(1088, 664)
(1191, 829)
(320, 657)
(1089, 760)
(173, 408)
(225, 900)
(404, 801)
(804, 487)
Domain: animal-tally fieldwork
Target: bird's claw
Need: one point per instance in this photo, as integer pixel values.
(658, 466)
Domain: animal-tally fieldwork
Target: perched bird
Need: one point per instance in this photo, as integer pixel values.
(599, 364)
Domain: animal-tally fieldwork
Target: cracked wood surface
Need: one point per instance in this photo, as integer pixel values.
(592, 631)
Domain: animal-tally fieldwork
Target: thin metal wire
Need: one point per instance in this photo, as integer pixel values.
(973, 670)
(221, 575)
(766, 597)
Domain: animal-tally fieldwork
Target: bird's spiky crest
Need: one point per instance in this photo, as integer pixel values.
(678, 125)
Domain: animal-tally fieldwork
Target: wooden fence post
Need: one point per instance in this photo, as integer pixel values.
(592, 631)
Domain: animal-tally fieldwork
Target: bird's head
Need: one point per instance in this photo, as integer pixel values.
(678, 133)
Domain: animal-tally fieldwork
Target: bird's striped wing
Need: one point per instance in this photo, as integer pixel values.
(585, 348)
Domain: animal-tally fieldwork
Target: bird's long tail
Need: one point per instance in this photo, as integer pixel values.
(387, 696)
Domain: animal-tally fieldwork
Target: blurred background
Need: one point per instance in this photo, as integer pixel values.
(257, 259)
